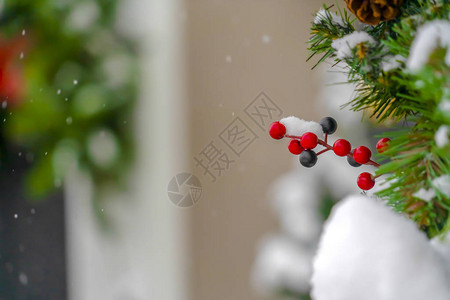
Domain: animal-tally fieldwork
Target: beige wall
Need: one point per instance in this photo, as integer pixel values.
(238, 48)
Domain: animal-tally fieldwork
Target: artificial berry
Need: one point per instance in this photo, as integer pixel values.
(309, 140)
(365, 181)
(277, 130)
(362, 155)
(329, 125)
(295, 147)
(308, 158)
(352, 162)
(383, 144)
(342, 147)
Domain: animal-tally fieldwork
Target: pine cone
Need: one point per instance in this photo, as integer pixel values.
(374, 11)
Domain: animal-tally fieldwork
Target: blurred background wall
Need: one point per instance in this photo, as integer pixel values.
(238, 49)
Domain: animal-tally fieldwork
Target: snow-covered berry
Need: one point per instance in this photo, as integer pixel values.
(365, 181)
(277, 130)
(362, 154)
(309, 140)
(342, 147)
(329, 125)
(352, 162)
(308, 158)
(382, 144)
(295, 147)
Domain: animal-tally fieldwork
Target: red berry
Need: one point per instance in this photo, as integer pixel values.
(362, 155)
(383, 144)
(309, 140)
(342, 147)
(365, 181)
(295, 147)
(277, 130)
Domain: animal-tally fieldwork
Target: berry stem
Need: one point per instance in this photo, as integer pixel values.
(323, 151)
(329, 147)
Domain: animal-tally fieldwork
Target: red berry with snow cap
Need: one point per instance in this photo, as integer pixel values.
(383, 144)
(342, 147)
(309, 140)
(277, 130)
(362, 154)
(295, 147)
(365, 181)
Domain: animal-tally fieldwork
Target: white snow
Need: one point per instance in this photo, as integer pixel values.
(281, 263)
(392, 62)
(369, 252)
(296, 197)
(441, 136)
(442, 184)
(425, 194)
(430, 36)
(445, 105)
(344, 45)
(324, 14)
(266, 39)
(296, 126)
(23, 278)
(442, 245)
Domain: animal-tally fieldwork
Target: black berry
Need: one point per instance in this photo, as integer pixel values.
(352, 162)
(308, 158)
(329, 125)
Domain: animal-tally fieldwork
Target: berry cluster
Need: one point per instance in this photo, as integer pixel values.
(304, 145)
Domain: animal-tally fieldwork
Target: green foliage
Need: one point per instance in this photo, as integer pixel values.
(79, 88)
(414, 100)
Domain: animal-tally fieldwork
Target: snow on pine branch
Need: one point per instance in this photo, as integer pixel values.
(344, 45)
(296, 126)
(429, 37)
(323, 15)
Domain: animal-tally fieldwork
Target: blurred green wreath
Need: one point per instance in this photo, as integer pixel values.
(68, 83)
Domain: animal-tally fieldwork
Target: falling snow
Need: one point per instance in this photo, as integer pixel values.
(266, 39)
(23, 278)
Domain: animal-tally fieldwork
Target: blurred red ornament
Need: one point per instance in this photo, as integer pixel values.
(12, 81)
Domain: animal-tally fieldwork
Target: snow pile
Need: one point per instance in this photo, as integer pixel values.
(442, 246)
(297, 127)
(282, 264)
(429, 37)
(441, 136)
(324, 15)
(369, 252)
(344, 45)
(391, 62)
